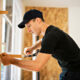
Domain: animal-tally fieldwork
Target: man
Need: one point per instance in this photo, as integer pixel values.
(55, 43)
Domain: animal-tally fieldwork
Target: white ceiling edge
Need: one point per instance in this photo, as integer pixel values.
(52, 3)
(55, 6)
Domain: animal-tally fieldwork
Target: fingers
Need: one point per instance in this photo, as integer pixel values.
(5, 59)
(27, 50)
(3, 54)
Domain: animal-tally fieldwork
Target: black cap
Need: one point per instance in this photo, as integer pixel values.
(31, 14)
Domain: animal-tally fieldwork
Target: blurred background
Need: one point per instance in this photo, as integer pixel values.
(64, 14)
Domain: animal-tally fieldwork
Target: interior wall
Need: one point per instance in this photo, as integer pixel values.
(52, 16)
(0, 33)
(27, 42)
(74, 23)
(0, 25)
(0, 42)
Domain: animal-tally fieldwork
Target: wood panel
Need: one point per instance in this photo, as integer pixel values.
(53, 16)
(26, 75)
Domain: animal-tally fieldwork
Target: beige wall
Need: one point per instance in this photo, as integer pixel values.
(57, 17)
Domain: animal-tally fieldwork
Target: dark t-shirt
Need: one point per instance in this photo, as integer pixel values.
(62, 47)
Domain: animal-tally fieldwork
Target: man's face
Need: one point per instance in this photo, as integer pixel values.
(33, 26)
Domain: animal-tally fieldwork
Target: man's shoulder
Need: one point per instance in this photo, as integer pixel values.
(53, 31)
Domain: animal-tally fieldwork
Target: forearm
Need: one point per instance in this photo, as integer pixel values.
(37, 45)
(26, 64)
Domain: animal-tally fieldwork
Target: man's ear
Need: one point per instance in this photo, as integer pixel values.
(38, 20)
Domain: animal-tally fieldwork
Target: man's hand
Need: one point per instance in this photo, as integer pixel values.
(28, 50)
(6, 59)
(36, 46)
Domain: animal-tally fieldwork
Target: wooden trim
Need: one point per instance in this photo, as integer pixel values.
(14, 55)
(3, 12)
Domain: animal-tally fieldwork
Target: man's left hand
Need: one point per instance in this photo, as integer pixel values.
(6, 59)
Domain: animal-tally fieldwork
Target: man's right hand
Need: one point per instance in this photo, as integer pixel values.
(28, 50)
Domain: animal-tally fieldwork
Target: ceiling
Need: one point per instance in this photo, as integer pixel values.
(52, 3)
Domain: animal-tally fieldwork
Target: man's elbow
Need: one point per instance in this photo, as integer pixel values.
(38, 68)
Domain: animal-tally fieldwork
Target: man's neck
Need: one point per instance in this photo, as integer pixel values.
(44, 26)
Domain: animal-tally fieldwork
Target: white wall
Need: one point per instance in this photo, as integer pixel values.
(51, 3)
(74, 23)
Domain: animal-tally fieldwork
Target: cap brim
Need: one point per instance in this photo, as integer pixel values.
(22, 24)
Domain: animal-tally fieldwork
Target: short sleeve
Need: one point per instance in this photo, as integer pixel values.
(49, 42)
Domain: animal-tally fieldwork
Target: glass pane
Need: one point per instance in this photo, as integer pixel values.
(8, 36)
(9, 4)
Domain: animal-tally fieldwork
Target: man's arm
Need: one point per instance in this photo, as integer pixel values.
(30, 65)
(37, 45)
